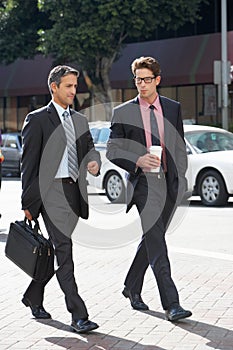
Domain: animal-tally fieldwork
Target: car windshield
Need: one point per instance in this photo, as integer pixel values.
(210, 141)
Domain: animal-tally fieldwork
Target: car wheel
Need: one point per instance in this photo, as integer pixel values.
(114, 187)
(212, 189)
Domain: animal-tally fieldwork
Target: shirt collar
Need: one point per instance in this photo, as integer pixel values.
(146, 105)
(60, 110)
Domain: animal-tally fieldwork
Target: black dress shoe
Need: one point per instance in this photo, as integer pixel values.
(135, 300)
(83, 326)
(37, 310)
(176, 313)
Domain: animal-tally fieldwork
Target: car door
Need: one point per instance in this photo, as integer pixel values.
(11, 152)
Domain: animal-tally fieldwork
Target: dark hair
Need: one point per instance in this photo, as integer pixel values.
(58, 72)
(146, 62)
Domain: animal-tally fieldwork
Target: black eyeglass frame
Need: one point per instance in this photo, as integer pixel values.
(144, 79)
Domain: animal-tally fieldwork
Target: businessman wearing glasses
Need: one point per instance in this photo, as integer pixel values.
(151, 119)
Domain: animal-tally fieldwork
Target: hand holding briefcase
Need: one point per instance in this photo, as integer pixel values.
(30, 250)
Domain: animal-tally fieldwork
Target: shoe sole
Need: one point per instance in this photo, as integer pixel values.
(82, 330)
(177, 318)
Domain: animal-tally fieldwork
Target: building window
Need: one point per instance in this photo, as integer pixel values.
(187, 97)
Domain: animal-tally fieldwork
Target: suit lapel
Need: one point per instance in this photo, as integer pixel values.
(137, 120)
(79, 132)
(55, 121)
(166, 117)
(53, 116)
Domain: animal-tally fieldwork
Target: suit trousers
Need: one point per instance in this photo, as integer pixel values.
(60, 220)
(150, 197)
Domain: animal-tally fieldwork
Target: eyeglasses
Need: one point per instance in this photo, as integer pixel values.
(147, 80)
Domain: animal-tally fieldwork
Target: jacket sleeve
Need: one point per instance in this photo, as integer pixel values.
(86, 148)
(32, 138)
(180, 157)
(122, 150)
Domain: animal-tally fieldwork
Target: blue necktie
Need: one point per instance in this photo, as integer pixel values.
(155, 139)
(71, 146)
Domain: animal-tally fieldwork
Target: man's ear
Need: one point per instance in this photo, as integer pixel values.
(53, 87)
(158, 79)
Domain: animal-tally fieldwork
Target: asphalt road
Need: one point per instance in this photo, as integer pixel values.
(195, 229)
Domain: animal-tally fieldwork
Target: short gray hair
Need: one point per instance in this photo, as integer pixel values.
(58, 72)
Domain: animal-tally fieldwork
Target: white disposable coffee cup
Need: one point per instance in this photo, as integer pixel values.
(156, 150)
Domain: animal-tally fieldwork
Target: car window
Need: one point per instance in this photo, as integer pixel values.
(210, 141)
(3, 140)
(11, 142)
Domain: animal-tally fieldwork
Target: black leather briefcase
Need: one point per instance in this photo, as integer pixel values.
(30, 250)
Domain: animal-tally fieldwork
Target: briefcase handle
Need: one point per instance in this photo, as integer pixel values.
(36, 229)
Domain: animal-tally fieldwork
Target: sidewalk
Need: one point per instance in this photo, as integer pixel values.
(205, 285)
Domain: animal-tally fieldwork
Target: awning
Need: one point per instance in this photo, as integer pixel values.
(25, 77)
(184, 61)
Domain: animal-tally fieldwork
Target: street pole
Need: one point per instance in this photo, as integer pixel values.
(224, 66)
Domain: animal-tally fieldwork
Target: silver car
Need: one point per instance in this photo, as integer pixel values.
(12, 151)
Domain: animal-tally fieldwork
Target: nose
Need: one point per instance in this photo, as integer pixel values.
(73, 90)
(143, 83)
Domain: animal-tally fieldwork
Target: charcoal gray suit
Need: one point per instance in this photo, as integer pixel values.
(60, 202)
(156, 196)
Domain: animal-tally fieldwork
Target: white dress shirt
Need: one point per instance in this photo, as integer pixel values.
(63, 167)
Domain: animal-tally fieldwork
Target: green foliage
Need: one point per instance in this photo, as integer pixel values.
(86, 31)
(19, 24)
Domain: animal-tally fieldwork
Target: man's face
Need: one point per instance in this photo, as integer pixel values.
(147, 90)
(64, 93)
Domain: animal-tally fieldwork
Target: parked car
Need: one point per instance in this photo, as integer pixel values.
(12, 150)
(1, 160)
(112, 178)
(210, 164)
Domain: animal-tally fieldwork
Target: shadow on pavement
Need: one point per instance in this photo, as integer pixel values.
(92, 340)
(99, 341)
(197, 203)
(219, 338)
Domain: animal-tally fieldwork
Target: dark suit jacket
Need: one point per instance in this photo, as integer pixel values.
(128, 142)
(44, 142)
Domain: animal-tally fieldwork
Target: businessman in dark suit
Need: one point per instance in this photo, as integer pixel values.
(151, 119)
(57, 152)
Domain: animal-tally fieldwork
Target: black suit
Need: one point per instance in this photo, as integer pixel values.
(156, 197)
(61, 204)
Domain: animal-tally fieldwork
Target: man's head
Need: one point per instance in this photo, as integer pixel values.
(146, 62)
(146, 71)
(62, 83)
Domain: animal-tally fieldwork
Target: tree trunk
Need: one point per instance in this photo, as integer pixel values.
(101, 90)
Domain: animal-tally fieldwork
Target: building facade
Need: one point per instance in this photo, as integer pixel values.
(187, 65)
